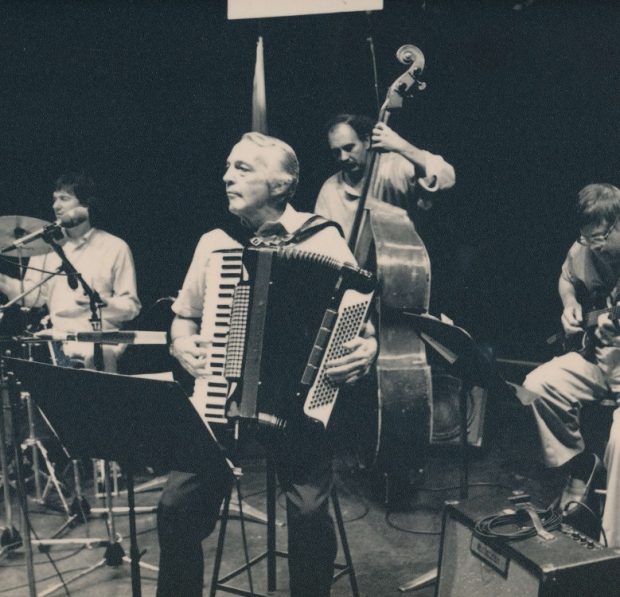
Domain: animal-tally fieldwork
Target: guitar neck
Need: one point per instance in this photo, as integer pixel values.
(590, 319)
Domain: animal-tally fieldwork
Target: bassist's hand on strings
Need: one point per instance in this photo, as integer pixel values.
(386, 139)
(356, 364)
(191, 352)
(572, 318)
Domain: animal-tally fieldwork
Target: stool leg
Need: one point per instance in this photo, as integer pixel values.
(344, 543)
(271, 526)
(220, 545)
(244, 537)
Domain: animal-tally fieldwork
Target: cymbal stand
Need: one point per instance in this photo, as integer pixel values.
(10, 538)
(10, 389)
(37, 448)
(38, 451)
(79, 508)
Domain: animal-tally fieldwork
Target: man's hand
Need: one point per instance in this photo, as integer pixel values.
(606, 331)
(354, 365)
(385, 139)
(191, 352)
(572, 318)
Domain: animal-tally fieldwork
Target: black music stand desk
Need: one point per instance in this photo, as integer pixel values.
(469, 363)
(134, 421)
(472, 366)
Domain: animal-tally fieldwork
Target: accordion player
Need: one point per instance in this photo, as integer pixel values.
(272, 321)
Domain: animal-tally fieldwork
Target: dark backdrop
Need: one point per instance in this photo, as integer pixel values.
(150, 96)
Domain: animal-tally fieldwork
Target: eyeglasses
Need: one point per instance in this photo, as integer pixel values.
(597, 239)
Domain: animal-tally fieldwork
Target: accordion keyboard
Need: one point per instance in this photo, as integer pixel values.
(223, 273)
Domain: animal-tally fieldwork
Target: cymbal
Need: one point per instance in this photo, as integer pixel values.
(13, 228)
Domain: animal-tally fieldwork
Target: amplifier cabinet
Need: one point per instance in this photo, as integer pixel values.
(569, 565)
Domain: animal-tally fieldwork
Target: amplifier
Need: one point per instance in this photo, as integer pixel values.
(569, 565)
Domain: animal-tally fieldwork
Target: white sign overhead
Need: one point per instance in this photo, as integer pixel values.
(258, 9)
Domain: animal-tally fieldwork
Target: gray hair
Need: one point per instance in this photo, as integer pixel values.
(287, 161)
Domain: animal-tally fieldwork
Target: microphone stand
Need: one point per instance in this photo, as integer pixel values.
(114, 554)
(373, 58)
(95, 302)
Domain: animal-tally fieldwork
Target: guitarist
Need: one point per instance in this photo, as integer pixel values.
(593, 264)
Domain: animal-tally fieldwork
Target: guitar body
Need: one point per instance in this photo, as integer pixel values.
(593, 303)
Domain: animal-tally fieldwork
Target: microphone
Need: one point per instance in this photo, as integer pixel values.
(72, 218)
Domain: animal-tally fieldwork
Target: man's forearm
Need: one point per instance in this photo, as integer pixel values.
(183, 326)
(413, 154)
(433, 171)
(567, 292)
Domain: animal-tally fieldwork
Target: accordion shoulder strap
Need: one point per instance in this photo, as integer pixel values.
(310, 227)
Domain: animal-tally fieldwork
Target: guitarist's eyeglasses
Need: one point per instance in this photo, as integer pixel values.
(597, 239)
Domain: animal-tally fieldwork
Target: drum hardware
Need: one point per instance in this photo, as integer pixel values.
(76, 509)
(10, 537)
(38, 451)
(39, 456)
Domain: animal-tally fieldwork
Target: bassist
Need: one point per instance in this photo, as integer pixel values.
(403, 169)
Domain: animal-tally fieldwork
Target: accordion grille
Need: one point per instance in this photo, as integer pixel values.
(351, 316)
(346, 329)
(236, 336)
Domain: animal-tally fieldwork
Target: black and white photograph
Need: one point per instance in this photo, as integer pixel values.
(310, 297)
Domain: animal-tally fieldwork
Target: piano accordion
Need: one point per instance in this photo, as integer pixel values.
(273, 318)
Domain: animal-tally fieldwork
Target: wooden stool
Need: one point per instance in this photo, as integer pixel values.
(271, 553)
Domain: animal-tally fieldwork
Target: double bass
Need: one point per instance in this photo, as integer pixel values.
(384, 238)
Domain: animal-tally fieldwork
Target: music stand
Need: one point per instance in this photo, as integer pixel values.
(473, 367)
(150, 423)
(468, 363)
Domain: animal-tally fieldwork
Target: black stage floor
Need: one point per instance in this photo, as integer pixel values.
(388, 548)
